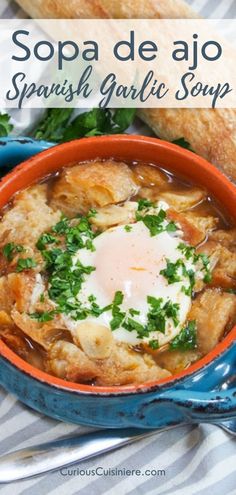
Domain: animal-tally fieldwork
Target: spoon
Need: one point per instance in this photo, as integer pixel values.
(49, 456)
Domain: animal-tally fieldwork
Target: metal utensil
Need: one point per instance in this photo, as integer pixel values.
(49, 456)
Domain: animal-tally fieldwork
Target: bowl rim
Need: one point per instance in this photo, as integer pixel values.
(31, 164)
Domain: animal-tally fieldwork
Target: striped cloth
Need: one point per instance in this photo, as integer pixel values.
(197, 460)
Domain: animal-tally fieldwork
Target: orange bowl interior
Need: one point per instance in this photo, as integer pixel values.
(127, 148)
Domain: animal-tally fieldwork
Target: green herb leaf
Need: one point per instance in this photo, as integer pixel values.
(130, 324)
(25, 264)
(171, 227)
(5, 126)
(10, 249)
(183, 143)
(45, 239)
(154, 222)
(52, 126)
(154, 344)
(171, 272)
(231, 291)
(123, 118)
(144, 203)
(186, 339)
(99, 121)
(43, 317)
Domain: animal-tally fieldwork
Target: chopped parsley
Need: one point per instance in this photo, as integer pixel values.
(144, 203)
(231, 291)
(171, 227)
(134, 312)
(190, 254)
(159, 312)
(188, 251)
(171, 272)
(45, 239)
(25, 264)
(10, 249)
(128, 228)
(153, 222)
(186, 339)
(154, 344)
(61, 226)
(43, 317)
(117, 315)
(130, 324)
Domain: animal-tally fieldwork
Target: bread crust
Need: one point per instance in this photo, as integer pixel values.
(210, 132)
(102, 9)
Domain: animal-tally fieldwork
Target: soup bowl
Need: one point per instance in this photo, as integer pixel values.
(206, 391)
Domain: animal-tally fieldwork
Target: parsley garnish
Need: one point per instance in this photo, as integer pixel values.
(171, 272)
(159, 312)
(154, 344)
(183, 143)
(25, 264)
(10, 249)
(231, 291)
(128, 228)
(171, 227)
(144, 203)
(130, 324)
(190, 253)
(154, 222)
(43, 317)
(186, 339)
(5, 126)
(134, 312)
(45, 239)
(117, 315)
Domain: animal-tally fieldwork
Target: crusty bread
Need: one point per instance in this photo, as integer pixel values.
(118, 9)
(210, 132)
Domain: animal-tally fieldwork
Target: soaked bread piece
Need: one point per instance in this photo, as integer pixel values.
(43, 334)
(148, 175)
(224, 264)
(183, 200)
(176, 361)
(214, 312)
(191, 234)
(125, 366)
(225, 237)
(92, 185)
(29, 216)
(122, 367)
(204, 223)
(112, 215)
(67, 361)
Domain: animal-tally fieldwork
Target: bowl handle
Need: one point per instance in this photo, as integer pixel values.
(16, 150)
(199, 406)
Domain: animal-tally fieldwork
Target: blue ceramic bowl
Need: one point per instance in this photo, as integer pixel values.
(206, 392)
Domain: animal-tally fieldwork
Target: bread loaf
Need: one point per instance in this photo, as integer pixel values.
(117, 9)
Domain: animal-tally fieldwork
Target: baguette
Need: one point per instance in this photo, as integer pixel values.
(210, 132)
(105, 9)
